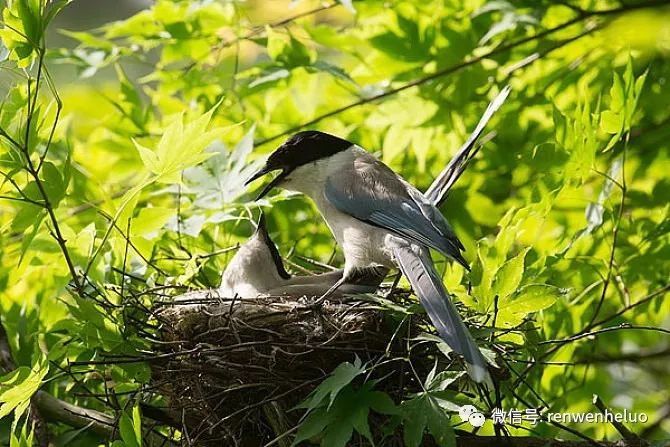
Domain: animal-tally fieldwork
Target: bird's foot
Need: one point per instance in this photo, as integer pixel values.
(318, 304)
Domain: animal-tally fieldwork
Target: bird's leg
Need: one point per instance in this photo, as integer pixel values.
(396, 280)
(330, 291)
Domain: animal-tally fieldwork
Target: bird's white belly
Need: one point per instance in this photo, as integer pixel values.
(363, 245)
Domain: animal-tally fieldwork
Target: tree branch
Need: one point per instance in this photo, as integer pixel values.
(57, 410)
(463, 64)
(44, 406)
(622, 429)
(621, 327)
(259, 29)
(34, 171)
(633, 357)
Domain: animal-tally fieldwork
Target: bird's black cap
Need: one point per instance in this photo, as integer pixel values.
(302, 148)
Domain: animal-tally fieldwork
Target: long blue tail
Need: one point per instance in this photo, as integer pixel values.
(438, 190)
(417, 266)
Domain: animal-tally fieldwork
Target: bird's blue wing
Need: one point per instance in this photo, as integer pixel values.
(373, 193)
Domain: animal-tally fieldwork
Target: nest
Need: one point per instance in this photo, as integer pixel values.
(233, 369)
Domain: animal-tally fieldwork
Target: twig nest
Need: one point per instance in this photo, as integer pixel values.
(233, 368)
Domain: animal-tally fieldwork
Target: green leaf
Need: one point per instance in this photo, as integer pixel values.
(343, 375)
(381, 403)
(334, 70)
(617, 94)
(415, 420)
(395, 142)
(54, 184)
(17, 387)
(150, 220)
(509, 276)
(130, 101)
(611, 122)
(181, 146)
(313, 424)
(482, 276)
(275, 43)
(149, 158)
(53, 8)
(494, 5)
(440, 427)
(287, 50)
(337, 435)
(633, 89)
(424, 412)
(137, 424)
(270, 77)
(639, 83)
(510, 20)
(360, 421)
(442, 380)
(349, 411)
(25, 438)
(130, 428)
(23, 29)
(36, 218)
(529, 299)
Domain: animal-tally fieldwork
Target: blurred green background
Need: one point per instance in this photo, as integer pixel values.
(564, 213)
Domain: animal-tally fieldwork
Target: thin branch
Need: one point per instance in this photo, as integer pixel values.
(621, 327)
(663, 290)
(615, 233)
(457, 67)
(622, 429)
(632, 357)
(102, 424)
(22, 199)
(259, 29)
(114, 225)
(34, 173)
(588, 440)
(59, 109)
(9, 138)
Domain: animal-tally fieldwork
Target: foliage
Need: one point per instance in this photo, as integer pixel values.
(126, 183)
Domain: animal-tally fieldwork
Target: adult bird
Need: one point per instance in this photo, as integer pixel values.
(379, 219)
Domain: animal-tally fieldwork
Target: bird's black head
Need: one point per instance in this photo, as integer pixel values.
(302, 148)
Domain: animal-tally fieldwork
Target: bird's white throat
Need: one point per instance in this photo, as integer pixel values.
(363, 245)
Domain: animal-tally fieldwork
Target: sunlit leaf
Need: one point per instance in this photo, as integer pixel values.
(509, 276)
(529, 299)
(17, 387)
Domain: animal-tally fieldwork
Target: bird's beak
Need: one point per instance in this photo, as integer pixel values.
(263, 171)
(262, 228)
